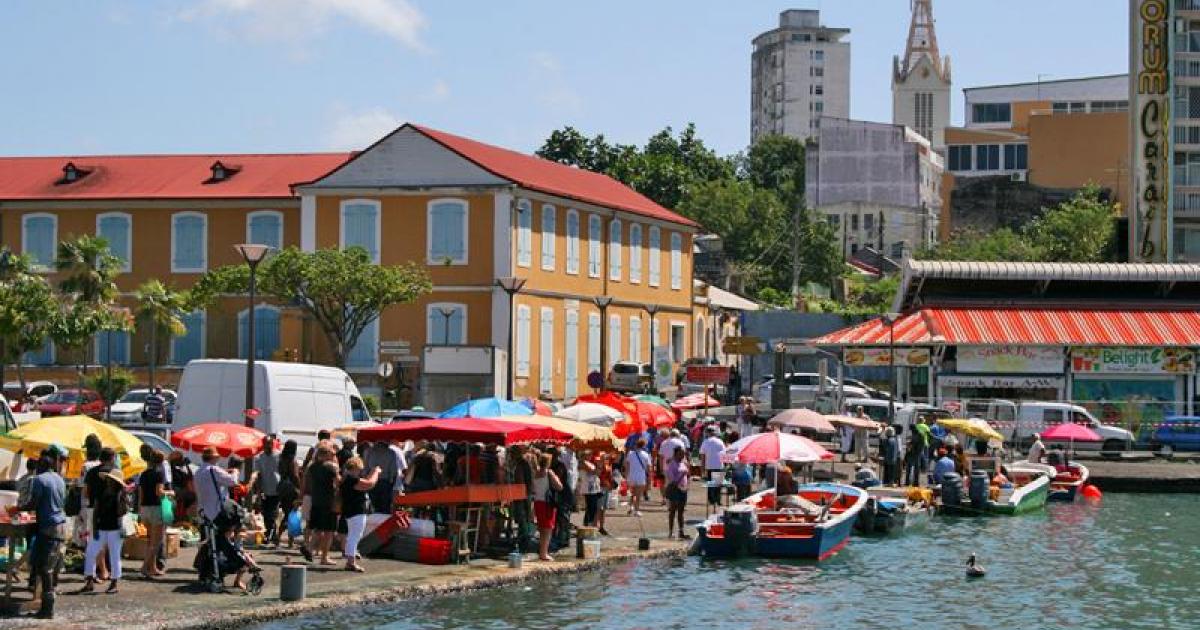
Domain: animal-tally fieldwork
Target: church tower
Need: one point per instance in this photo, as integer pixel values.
(921, 79)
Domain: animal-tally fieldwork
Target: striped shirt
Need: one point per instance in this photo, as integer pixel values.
(154, 406)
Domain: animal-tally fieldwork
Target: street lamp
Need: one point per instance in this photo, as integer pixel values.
(889, 319)
(447, 313)
(602, 302)
(253, 254)
(652, 310)
(512, 286)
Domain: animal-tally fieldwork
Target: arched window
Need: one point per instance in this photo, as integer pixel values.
(360, 226)
(265, 227)
(117, 229)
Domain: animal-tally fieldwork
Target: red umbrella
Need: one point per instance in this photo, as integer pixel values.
(539, 408)
(227, 438)
(654, 415)
(611, 399)
(488, 431)
(773, 446)
(1069, 431)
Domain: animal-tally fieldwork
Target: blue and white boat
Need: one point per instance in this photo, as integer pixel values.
(817, 528)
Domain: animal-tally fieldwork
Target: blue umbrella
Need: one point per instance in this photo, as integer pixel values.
(486, 408)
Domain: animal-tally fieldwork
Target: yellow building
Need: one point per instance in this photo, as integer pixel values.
(472, 213)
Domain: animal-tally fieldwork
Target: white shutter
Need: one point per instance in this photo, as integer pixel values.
(655, 256)
(524, 238)
(676, 261)
(546, 354)
(572, 355)
(549, 234)
(635, 253)
(635, 339)
(523, 331)
(614, 340)
(593, 343)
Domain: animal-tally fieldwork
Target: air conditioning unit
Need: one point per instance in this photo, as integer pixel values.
(1019, 176)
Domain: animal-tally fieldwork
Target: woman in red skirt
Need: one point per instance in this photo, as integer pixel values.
(545, 485)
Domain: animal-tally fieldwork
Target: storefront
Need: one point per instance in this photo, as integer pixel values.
(1139, 385)
(1008, 372)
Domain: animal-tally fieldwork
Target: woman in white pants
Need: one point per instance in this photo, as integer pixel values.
(355, 507)
(108, 508)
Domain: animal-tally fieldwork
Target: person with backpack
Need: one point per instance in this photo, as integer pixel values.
(104, 488)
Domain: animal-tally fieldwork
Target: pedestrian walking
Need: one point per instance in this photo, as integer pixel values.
(104, 487)
(711, 450)
(637, 472)
(354, 494)
(266, 476)
(678, 475)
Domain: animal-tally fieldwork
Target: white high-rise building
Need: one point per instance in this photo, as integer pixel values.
(799, 73)
(921, 80)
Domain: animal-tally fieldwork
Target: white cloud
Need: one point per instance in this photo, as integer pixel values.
(297, 21)
(358, 130)
(546, 62)
(439, 92)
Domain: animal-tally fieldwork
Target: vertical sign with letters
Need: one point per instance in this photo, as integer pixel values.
(1150, 225)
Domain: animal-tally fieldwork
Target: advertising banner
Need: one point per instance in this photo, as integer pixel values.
(880, 357)
(1133, 360)
(1150, 34)
(1010, 360)
(664, 368)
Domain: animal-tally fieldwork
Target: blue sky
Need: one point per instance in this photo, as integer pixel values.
(118, 76)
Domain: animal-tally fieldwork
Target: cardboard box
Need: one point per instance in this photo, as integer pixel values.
(135, 546)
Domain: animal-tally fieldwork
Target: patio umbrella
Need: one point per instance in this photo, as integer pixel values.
(486, 430)
(695, 401)
(853, 422)
(486, 408)
(1072, 432)
(31, 438)
(610, 399)
(773, 446)
(976, 428)
(584, 436)
(651, 398)
(655, 416)
(592, 413)
(227, 438)
(539, 408)
(802, 419)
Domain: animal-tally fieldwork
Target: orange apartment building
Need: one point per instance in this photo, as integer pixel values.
(472, 213)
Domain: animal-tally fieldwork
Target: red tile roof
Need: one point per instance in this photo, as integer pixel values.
(263, 176)
(553, 178)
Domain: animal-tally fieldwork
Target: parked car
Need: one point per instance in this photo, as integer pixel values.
(877, 394)
(804, 387)
(408, 415)
(22, 399)
(627, 376)
(129, 408)
(1176, 433)
(70, 402)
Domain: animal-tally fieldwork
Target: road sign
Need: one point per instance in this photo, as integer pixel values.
(708, 374)
(406, 359)
(386, 369)
(395, 352)
(793, 345)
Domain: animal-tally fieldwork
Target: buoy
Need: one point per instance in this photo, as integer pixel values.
(974, 570)
(1092, 492)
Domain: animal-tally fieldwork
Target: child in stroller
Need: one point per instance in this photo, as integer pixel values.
(229, 558)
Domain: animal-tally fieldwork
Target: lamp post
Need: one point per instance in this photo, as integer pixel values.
(602, 302)
(512, 286)
(253, 254)
(652, 310)
(890, 320)
(446, 313)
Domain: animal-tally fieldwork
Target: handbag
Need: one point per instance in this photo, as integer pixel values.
(74, 501)
(230, 512)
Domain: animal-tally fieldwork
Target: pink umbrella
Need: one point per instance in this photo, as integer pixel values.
(774, 446)
(1069, 431)
(695, 401)
(802, 419)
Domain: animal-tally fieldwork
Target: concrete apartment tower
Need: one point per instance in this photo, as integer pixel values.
(921, 80)
(799, 73)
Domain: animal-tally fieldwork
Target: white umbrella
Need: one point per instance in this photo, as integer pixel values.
(591, 413)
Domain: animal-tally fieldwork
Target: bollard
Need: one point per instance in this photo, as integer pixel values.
(515, 559)
(292, 579)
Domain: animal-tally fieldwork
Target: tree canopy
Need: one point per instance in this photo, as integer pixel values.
(27, 309)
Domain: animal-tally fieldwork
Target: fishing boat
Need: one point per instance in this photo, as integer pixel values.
(816, 526)
(1068, 481)
(892, 511)
(1029, 488)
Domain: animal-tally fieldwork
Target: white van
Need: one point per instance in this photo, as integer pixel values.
(1018, 422)
(294, 400)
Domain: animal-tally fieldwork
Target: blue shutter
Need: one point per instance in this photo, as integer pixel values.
(41, 356)
(115, 230)
(39, 240)
(191, 345)
(546, 351)
(266, 333)
(457, 330)
(189, 242)
(635, 253)
(364, 353)
(358, 221)
(614, 250)
(655, 256)
(448, 232)
(594, 246)
(437, 325)
(114, 345)
(267, 229)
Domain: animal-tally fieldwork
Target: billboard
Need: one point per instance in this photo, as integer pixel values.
(1010, 359)
(1150, 84)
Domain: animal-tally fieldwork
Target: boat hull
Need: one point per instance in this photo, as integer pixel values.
(1026, 499)
(1066, 487)
(818, 542)
(885, 515)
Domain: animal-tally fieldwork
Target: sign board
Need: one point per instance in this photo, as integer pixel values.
(458, 360)
(1010, 360)
(385, 369)
(1002, 382)
(407, 359)
(742, 345)
(664, 368)
(393, 345)
(708, 374)
(792, 345)
(1150, 222)
(881, 357)
(1133, 360)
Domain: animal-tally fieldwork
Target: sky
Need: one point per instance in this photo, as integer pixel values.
(221, 76)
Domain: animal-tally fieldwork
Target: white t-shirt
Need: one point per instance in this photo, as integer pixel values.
(667, 448)
(711, 449)
(639, 463)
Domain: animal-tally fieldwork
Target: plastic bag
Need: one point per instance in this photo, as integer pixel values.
(295, 527)
(168, 511)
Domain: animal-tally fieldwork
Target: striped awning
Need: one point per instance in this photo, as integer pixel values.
(1028, 326)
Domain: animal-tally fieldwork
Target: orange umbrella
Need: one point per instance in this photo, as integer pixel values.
(654, 415)
(611, 399)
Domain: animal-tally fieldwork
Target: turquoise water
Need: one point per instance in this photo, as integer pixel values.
(1131, 562)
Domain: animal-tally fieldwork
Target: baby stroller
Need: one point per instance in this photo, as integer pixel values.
(218, 556)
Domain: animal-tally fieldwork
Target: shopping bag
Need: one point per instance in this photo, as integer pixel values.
(294, 524)
(168, 511)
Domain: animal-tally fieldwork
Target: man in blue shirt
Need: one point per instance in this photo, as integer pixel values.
(943, 465)
(47, 495)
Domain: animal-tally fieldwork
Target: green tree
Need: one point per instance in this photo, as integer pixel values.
(1078, 230)
(996, 246)
(27, 311)
(776, 163)
(753, 225)
(343, 290)
(87, 294)
(159, 308)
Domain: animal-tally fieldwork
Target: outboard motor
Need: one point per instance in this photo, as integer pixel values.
(980, 485)
(741, 526)
(951, 490)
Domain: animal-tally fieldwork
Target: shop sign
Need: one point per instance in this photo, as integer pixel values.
(1010, 359)
(1001, 382)
(880, 357)
(1150, 78)
(1133, 360)
(708, 374)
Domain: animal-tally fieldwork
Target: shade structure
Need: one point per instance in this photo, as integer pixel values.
(1069, 431)
(538, 407)
(592, 413)
(486, 408)
(774, 446)
(583, 435)
(227, 438)
(651, 398)
(853, 422)
(655, 416)
(485, 430)
(695, 401)
(976, 428)
(802, 419)
(610, 399)
(31, 438)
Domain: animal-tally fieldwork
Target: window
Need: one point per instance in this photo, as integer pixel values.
(524, 238)
(571, 350)
(266, 332)
(112, 345)
(447, 232)
(817, 55)
(898, 249)
(635, 339)
(959, 157)
(39, 239)
(819, 89)
(676, 261)
(546, 350)
(365, 353)
(116, 228)
(549, 233)
(614, 250)
(447, 324)
(854, 222)
(678, 341)
(655, 255)
(984, 113)
(594, 246)
(835, 220)
(593, 343)
(614, 339)
(191, 345)
(868, 222)
(41, 356)
(572, 241)
(360, 226)
(265, 227)
(987, 157)
(816, 71)
(522, 333)
(1016, 157)
(189, 242)
(635, 253)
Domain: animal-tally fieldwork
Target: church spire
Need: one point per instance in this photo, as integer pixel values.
(922, 41)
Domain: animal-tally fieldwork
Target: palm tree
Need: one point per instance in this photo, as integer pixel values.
(161, 308)
(89, 289)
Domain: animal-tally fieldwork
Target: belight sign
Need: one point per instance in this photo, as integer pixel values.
(1150, 115)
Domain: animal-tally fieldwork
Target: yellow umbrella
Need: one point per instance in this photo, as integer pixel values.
(31, 438)
(587, 436)
(975, 428)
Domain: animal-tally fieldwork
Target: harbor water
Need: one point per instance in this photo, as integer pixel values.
(1130, 562)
